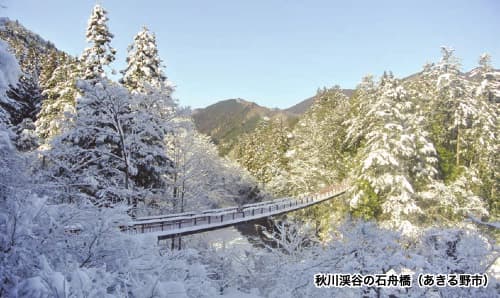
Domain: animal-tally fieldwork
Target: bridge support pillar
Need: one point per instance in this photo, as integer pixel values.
(179, 242)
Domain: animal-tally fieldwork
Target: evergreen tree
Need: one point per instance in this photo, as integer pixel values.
(316, 157)
(100, 53)
(486, 134)
(489, 88)
(25, 137)
(451, 109)
(157, 110)
(464, 128)
(28, 97)
(263, 152)
(49, 65)
(144, 66)
(397, 160)
(34, 54)
(112, 151)
(25, 96)
(60, 94)
(360, 103)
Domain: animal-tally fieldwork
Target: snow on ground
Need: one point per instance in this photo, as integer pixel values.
(234, 293)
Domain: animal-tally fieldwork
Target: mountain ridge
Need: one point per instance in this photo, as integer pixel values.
(226, 120)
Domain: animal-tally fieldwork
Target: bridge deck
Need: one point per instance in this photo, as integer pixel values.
(173, 225)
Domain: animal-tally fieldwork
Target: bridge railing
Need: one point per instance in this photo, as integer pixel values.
(204, 219)
(226, 215)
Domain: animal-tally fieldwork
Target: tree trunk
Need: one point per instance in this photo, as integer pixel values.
(175, 193)
(123, 149)
(458, 147)
(182, 196)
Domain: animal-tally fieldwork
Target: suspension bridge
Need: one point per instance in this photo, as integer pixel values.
(175, 225)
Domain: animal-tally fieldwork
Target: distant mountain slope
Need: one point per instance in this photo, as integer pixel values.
(304, 105)
(301, 107)
(29, 47)
(226, 120)
(34, 55)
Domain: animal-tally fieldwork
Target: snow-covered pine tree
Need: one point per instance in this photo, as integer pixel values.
(486, 134)
(28, 96)
(157, 111)
(144, 66)
(316, 159)
(31, 52)
(112, 151)
(396, 161)
(145, 79)
(360, 102)
(263, 152)
(60, 94)
(49, 65)
(316, 154)
(463, 129)
(490, 80)
(452, 108)
(100, 53)
(25, 136)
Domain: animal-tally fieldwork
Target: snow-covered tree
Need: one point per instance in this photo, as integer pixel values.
(49, 64)
(450, 112)
(490, 80)
(28, 96)
(198, 177)
(111, 148)
(356, 127)
(485, 134)
(186, 168)
(158, 112)
(364, 248)
(263, 152)
(316, 159)
(18, 206)
(9, 76)
(100, 53)
(26, 138)
(159, 104)
(463, 125)
(60, 94)
(144, 66)
(396, 161)
(54, 249)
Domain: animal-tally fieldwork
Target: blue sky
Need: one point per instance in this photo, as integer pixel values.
(276, 52)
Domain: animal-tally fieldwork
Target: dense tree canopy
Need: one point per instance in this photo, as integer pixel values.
(81, 156)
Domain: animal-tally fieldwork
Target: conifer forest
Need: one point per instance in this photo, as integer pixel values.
(85, 151)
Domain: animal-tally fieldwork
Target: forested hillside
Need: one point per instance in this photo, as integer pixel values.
(226, 121)
(37, 59)
(83, 155)
(417, 151)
